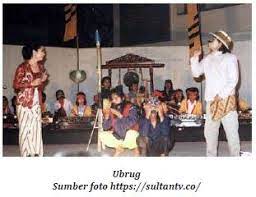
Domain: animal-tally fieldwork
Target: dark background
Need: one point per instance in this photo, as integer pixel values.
(44, 23)
(144, 24)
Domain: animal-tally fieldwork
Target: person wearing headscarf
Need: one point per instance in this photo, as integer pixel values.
(81, 109)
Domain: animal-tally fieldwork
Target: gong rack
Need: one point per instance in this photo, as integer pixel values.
(131, 62)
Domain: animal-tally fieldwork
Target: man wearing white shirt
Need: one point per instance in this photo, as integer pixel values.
(220, 68)
(191, 106)
(62, 104)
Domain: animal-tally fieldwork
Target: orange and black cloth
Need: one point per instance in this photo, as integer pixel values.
(71, 22)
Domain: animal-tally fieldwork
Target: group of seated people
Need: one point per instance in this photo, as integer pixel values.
(135, 120)
(7, 109)
(174, 99)
(62, 106)
(139, 121)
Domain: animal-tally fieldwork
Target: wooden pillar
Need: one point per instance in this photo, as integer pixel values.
(110, 72)
(151, 73)
(119, 77)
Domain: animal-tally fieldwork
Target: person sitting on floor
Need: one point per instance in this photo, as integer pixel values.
(155, 138)
(191, 105)
(81, 109)
(62, 106)
(120, 124)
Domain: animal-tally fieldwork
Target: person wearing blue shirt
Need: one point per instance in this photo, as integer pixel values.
(155, 138)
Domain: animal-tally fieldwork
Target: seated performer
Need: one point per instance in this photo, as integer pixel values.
(106, 86)
(95, 105)
(62, 106)
(81, 108)
(14, 103)
(133, 92)
(168, 90)
(178, 97)
(44, 107)
(154, 137)
(120, 124)
(6, 108)
(242, 104)
(174, 103)
(142, 96)
(191, 105)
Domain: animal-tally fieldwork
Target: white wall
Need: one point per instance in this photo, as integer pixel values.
(233, 19)
(61, 60)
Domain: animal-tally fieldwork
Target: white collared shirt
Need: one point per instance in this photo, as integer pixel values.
(221, 74)
(191, 106)
(67, 106)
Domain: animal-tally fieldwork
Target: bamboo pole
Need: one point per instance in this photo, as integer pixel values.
(77, 57)
(100, 117)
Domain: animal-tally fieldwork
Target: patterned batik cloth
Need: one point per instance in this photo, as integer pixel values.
(220, 108)
(30, 128)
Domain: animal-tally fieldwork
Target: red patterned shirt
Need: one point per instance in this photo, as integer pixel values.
(22, 84)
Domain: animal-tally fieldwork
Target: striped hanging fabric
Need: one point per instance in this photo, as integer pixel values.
(194, 33)
(70, 21)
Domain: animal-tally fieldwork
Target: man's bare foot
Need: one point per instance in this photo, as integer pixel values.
(119, 150)
(136, 152)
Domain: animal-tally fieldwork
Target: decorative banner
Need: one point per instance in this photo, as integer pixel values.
(71, 22)
(194, 33)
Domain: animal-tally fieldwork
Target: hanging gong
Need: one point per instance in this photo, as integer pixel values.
(77, 76)
(130, 78)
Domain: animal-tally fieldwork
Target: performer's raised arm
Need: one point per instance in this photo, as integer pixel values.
(197, 67)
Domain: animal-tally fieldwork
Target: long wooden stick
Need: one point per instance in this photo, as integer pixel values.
(77, 57)
(100, 117)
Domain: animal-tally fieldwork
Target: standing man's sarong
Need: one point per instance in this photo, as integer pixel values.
(30, 129)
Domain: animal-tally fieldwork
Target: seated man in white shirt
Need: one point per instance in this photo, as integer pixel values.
(220, 68)
(62, 106)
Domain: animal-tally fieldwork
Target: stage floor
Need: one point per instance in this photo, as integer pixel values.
(181, 149)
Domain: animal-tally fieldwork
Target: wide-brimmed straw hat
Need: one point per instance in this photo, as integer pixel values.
(223, 37)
